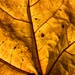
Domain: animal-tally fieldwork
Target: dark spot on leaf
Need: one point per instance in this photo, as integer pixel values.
(14, 47)
(22, 59)
(6, 4)
(23, 15)
(21, 51)
(69, 41)
(2, 41)
(62, 26)
(60, 9)
(18, 47)
(49, 44)
(42, 35)
(35, 18)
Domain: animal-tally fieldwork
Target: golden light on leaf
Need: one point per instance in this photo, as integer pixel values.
(37, 37)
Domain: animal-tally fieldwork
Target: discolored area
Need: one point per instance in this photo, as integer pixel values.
(42, 34)
(37, 37)
(62, 26)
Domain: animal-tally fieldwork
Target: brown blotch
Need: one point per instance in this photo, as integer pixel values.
(22, 59)
(18, 47)
(14, 47)
(62, 26)
(21, 52)
(6, 4)
(2, 41)
(42, 34)
(60, 9)
(36, 19)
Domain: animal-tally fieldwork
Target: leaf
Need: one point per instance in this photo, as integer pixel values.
(37, 37)
(7, 69)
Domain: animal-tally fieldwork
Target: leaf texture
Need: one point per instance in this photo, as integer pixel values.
(37, 37)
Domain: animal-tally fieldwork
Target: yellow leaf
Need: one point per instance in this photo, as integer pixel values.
(37, 37)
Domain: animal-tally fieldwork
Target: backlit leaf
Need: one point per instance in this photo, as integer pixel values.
(37, 37)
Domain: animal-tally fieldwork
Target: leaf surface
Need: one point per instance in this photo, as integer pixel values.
(37, 37)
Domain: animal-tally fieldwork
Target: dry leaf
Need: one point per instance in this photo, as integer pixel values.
(37, 37)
